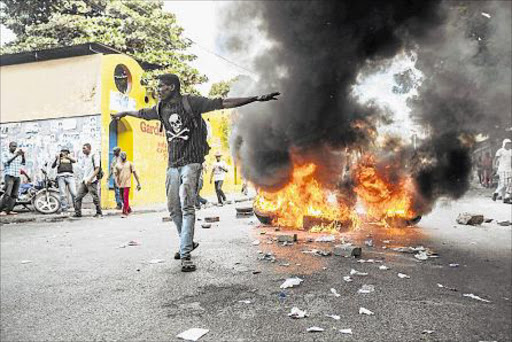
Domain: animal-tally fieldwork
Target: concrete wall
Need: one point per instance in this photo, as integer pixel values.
(43, 139)
(50, 89)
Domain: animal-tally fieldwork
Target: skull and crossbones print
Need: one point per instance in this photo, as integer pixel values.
(177, 129)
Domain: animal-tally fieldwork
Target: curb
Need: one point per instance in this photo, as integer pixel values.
(59, 218)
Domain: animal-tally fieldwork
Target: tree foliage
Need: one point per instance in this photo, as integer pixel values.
(222, 88)
(138, 28)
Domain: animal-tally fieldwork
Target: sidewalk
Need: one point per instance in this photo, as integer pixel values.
(34, 216)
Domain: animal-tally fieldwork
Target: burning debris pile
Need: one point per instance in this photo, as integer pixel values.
(316, 151)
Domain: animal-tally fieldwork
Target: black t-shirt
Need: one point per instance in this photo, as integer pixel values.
(184, 132)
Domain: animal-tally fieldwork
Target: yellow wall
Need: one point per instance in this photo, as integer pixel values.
(57, 88)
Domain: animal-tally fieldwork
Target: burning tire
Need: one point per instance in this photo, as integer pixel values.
(264, 218)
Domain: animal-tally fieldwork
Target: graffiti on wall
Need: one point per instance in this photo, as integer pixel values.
(42, 140)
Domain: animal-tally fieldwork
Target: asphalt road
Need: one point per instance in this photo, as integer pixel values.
(80, 285)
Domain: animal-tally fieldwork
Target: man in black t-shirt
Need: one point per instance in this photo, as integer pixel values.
(185, 131)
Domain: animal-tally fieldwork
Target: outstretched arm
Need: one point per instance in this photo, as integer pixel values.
(120, 115)
(242, 101)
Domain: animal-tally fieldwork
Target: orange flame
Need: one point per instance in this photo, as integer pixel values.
(383, 199)
(302, 196)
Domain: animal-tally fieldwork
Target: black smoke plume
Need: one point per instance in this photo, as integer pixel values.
(317, 49)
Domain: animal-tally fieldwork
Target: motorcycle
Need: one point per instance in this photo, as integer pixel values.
(43, 197)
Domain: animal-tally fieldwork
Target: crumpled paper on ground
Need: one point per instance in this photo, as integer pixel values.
(193, 334)
(297, 313)
(291, 282)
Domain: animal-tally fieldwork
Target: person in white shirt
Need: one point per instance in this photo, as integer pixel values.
(219, 170)
(503, 162)
(89, 183)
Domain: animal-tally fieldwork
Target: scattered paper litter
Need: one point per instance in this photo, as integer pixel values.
(470, 295)
(427, 332)
(446, 287)
(403, 276)
(315, 329)
(369, 261)
(386, 241)
(454, 265)
(346, 331)
(133, 243)
(156, 261)
(317, 252)
(297, 313)
(193, 334)
(245, 301)
(366, 289)
(335, 293)
(422, 255)
(285, 264)
(348, 279)
(354, 272)
(363, 311)
(291, 282)
(383, 268)
(256, 242)
(487, 15)
(336, 317)
(325, 238)
(26, 261)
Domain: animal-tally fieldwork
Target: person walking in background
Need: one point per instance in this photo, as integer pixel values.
(119, 199)
(503, 162)
(89, 184)
(12, 160)
(219, 170)
(486, 170)
(65, 177)
(123, 176)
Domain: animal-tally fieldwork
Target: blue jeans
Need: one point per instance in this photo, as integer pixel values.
(66, 181)
(180, 185)
(119, 196)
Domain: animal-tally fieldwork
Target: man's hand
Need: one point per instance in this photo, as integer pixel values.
(139, 187)
(88, 182)
(268, 97)
(117, 116)
(20, 152)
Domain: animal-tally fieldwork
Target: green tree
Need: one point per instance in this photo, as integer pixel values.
(138, 28)
(222, 88)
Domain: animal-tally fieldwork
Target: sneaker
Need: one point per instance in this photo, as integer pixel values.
(177, 255)
(98, 215)
(119, 207)
(187, 265)
(77, 215)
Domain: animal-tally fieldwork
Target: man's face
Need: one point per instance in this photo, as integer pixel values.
(64, 153)
(165, 91)
(116, 153)
(218, 158)
(13, 146)
(508, 146)
(86, 150)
